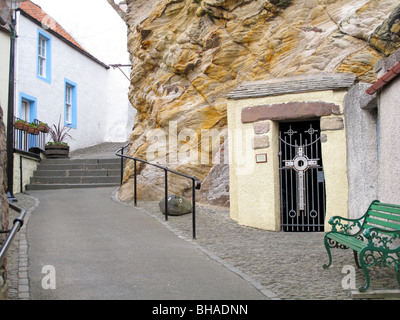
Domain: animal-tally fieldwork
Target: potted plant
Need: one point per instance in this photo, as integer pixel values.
(33, 128)
(58, 148)
(43, 127)
(21, 125)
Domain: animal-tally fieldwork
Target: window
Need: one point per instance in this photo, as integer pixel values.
(44, 57)
(27, 107)
(27, 112)
(24, 110)
(70, 104)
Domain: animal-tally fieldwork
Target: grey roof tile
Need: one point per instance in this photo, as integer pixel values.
(302, 83)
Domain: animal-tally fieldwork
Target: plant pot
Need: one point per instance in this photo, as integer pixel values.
(33, 130)
(43, 128)
(56, 151)
(21, 126)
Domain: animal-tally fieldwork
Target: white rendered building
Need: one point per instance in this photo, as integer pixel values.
(56, 78)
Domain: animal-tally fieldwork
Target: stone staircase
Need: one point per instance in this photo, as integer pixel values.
(76, 173)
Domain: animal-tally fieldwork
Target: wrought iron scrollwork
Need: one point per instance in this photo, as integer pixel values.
(372, 258)
(348, 227)
(335, 244)
(380, 239)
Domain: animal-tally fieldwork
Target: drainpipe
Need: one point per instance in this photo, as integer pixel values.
(10, 114)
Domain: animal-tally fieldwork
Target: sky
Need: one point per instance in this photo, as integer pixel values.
(93, 24)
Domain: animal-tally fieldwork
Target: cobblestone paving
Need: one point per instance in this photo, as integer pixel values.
(17, 255)
(288, 264)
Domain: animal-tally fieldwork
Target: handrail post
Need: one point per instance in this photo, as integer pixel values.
(134, 184)
(122, 165)
(21, 181)
(194, 208)
(166, 194)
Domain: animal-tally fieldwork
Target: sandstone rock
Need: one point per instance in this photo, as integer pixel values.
(261, 127)
(177, 205)
(260, 142)
(332, 123)
(188, 55)
(4, 209)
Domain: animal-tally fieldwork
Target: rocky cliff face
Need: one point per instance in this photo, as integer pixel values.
(3, 204)
(188, 54)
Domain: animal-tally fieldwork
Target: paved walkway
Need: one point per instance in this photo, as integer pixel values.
(103, 249)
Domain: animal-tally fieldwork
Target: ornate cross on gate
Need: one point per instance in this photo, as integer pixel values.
(301, 163)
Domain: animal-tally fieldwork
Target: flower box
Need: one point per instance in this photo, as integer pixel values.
(43, 128)
(21, 125)
(33, 130)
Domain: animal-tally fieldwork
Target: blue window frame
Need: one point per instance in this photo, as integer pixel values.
(44, 48)
(27, 107)
(27, 112)
(70, 103)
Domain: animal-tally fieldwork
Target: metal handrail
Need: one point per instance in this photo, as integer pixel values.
(196, 184)
(18, 223)
(24, 141)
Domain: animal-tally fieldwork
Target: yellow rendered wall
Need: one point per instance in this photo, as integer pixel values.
(335, 170)
(254, 187)
(29, 165)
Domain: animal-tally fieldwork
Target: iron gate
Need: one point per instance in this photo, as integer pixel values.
(302, 182)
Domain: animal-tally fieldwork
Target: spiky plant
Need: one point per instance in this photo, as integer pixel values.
(59, 134)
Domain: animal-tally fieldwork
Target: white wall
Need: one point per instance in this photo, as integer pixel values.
(4, 71)
(121, 114)
(104, 34)
(91, 78)
(389, 143)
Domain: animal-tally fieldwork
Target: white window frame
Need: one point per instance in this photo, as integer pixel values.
(42, 48)
(68, 103)
(25, 110)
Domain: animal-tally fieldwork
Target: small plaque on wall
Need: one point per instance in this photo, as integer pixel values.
(261, 158)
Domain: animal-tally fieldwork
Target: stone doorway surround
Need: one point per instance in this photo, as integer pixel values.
(254, 112)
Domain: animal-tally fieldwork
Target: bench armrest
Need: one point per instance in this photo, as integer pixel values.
(381, 238)
(345, 226)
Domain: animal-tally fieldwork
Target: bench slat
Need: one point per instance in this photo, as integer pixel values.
(389, 209)
(384, 215)
(391, 205)
(348, 241)
(385, 224)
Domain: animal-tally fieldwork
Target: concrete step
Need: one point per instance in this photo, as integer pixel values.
(73, 180)
(81, 161)
(76, 173)
(81, 166)
(54, 186)
(77, 166)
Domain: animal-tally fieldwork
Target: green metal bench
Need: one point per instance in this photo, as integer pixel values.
(372, 237)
